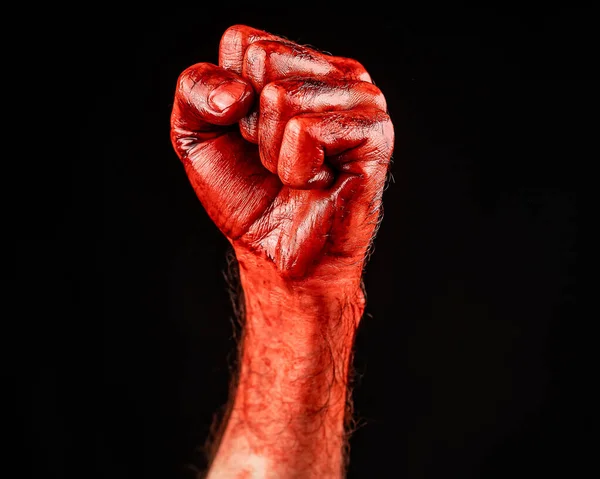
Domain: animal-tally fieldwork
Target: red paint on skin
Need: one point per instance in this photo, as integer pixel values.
(291, 170)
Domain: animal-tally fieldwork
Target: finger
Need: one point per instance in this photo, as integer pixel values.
(351, 150)
(267, 61)
(264, 57)
(232, 48)
(317, 147)
(283, 99)
(207, 96)
(234, 43)
(348, 153)
(223, 169)
(235, 54)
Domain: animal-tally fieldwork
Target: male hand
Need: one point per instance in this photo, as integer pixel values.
(287, 148)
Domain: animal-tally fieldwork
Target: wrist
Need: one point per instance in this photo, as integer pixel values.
(333, 295)
(291, 396)
(292, 387)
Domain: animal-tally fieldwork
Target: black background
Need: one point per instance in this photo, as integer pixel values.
(466, 359)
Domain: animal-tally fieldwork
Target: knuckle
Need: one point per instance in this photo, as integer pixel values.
(356, 65)
(377, 96)
(386, 128)
(294, 128)
(258, 53)
(274, 95)
(256, 59)
(265, 46)
(358, 68)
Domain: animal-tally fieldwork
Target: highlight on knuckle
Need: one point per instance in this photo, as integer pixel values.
(273, 95)
(294, 129)
(377, 96)
(360, 70)
(257, 54)
(387, 126)
(368, 95)
(386, 129)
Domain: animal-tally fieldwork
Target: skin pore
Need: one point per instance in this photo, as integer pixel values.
(287, 149)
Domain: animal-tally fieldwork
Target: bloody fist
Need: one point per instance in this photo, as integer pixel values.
(287, 149)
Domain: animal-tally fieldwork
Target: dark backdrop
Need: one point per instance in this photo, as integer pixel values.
(465, 359)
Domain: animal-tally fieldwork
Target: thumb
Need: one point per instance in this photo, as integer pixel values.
(207, 96)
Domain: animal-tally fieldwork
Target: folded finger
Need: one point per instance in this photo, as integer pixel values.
(317, 148)
(266, 61)
(234, 43)
(281, 100)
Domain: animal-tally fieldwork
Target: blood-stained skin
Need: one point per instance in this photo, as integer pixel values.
(288, 149)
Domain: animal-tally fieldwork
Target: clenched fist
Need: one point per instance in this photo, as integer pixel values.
(287, 148)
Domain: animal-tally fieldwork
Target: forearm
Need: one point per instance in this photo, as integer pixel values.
(296, 187)
(287, 415)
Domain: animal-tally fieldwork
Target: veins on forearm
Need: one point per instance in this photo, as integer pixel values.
(290, 391)
(289, 375)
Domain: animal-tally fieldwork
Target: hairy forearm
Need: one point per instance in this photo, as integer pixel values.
(296, 187)
(288, 412)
